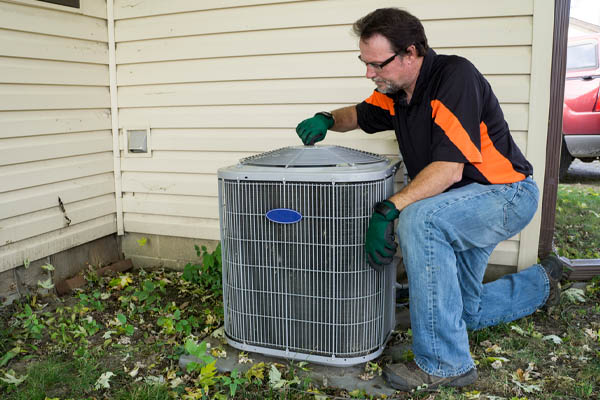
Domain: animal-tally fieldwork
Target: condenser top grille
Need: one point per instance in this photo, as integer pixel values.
(312, 156)
(323, 163)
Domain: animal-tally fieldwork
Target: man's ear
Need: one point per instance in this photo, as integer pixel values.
(412, 51)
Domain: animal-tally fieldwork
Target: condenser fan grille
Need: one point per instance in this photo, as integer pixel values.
(302, 287)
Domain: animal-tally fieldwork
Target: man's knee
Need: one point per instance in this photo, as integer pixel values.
(414, 219)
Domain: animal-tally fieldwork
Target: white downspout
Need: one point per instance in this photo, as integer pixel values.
(114, 112)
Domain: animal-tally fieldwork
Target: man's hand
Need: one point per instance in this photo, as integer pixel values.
(379, 242)
(314, 129)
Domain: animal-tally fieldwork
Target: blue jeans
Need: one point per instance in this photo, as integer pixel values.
(446, 241)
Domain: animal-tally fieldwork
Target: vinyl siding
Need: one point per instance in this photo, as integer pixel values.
(218, 81)
(55, 138)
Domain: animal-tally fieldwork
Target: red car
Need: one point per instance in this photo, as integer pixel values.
(581, 110)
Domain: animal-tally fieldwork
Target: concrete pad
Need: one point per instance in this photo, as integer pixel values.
(346, 378)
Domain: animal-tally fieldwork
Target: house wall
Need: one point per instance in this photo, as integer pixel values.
(220, 80)
(55, 137)
(215, 81)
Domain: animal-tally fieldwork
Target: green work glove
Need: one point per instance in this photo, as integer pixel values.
(314, 129)
(379, 242)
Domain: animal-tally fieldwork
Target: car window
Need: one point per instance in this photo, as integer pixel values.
(583, 55)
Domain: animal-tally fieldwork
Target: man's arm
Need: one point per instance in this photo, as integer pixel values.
(432, 180)
(345, 119)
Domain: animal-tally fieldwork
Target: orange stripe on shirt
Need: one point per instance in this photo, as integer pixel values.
(496, 168)
(382, 101)
(452, 127)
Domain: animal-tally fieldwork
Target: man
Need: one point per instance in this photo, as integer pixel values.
(470, 189)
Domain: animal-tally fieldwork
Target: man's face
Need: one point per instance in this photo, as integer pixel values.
(396, 75)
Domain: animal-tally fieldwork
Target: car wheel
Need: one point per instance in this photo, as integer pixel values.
(565, 161)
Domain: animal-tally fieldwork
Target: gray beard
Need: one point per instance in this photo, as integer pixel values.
(388, 88)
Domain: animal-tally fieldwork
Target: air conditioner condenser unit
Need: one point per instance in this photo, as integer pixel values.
(295, 279)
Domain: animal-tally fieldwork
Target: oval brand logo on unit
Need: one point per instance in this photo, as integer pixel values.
(284, 216)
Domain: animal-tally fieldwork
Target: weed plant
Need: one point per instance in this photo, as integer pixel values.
(121, 337)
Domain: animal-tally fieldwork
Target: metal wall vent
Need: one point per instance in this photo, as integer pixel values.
(295, 279)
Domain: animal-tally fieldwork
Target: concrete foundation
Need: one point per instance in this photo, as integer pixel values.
(21, 281)
(158, 251)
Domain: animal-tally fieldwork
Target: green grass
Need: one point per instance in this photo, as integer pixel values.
(577, 227)
(57, 376)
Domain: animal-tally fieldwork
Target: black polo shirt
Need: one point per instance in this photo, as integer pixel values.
(453, 116)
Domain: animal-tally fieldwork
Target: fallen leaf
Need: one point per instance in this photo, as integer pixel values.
(124, 340)
(495, 349)
(171, 374)
(107, 334)
(555, 339)
(11, 378)
(574, 295)
(154, 380)
(243, 358)
(373, 367)
(102, 382)
(531, 371)
(518, 329)
(175, 382)
(121, 282)
(275, 378)
(218, 352)
(256, 371)
(528, 388)
(210, 319)
(367, 376)
(591, 333)
(586, 348)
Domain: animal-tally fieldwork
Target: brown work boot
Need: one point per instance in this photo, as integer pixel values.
(408, 376)
(554, 269)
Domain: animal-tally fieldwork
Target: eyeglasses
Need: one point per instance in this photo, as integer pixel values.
(378, 66)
